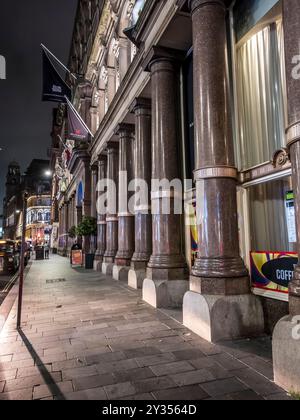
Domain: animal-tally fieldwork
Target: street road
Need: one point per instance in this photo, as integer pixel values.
(6, 283)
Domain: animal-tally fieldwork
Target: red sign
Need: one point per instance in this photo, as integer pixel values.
(77, 257)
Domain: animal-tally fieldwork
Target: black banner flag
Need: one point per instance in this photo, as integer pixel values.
(54, 87)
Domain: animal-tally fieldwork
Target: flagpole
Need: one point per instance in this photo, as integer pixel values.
(61, 140)
(78, 116)
(58, 61)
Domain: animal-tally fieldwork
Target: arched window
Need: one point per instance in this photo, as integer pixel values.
(80, 194)
(40, 216)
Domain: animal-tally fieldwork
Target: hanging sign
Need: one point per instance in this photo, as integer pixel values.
(271, 273)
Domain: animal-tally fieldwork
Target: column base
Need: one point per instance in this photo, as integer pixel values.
(286, 353)
(171, 274)
(219, 318)
(294, 302)
(163, 293)
(136, 278)
(99, 257)
(122, 262)
(98, 264)
(120, 273)
(107, 268)
(220, 286)
(108, 259)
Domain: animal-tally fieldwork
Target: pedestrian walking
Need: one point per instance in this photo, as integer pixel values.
(47, 251)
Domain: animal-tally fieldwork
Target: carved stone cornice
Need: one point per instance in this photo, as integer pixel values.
(280, 158)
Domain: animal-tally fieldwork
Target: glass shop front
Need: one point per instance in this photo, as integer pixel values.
(266, 198)
(265, 194)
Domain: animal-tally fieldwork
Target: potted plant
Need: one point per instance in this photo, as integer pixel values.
(87, 228)
(72, 232)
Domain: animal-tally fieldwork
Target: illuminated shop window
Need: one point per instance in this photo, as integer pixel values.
(273, 226)
(261, 95)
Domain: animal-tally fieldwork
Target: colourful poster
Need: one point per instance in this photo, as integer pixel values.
(77, 257)
(192, 221)
(271, 273)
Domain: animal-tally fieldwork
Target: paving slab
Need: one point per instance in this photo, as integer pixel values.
(91, 338)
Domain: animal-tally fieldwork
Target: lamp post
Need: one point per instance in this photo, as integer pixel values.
(22, 263)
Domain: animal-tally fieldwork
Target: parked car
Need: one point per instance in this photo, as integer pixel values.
(9, 257)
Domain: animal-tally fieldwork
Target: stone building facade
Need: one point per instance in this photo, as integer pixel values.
(201, 90)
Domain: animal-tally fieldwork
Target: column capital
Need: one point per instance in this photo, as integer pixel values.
(293, 134)
(125, 130)
(102, 159)
(141, 104)
(197, 4)
(157, 54)
(94, 110)
(112, 147)
(94, 167)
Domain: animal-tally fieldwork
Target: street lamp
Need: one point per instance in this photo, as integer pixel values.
(48, 173)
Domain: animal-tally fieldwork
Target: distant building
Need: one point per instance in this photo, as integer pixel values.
(36, 182)
(12, 202)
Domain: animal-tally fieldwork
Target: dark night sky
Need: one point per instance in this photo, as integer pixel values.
(25, 121)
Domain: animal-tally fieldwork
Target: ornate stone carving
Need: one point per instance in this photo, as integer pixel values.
(130, 8)
(104, 74)
(116, 47)
(60, 115)
(280, 158)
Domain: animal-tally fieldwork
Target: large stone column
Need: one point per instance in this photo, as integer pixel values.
(112, 217)
(70, 241)
(94, 180)
(142, 171)
(61, 231)
(219, 304)
(86, 203)
(66, 227)
(126, 219)
(166, 281)
(286, 337)
(101, 218)
(78, 221)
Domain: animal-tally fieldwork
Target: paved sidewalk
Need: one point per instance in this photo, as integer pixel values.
(86, 336)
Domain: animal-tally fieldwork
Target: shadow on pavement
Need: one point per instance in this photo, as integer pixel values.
(42, 368)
